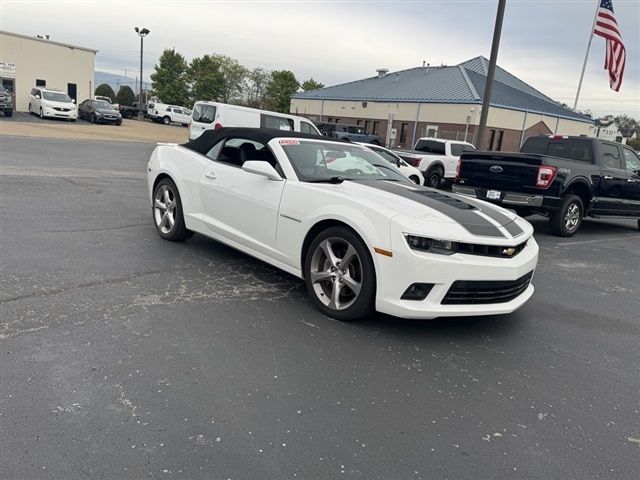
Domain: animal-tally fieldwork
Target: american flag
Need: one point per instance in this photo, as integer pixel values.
(607, 27)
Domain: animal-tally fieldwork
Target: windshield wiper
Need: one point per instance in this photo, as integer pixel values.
(328, 180)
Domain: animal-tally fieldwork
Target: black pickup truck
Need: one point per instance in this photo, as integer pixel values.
(562, 177)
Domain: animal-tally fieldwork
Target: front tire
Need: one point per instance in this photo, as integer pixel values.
(414, 179)
(433, 177)
(166, 120)
(167, 212)
(340, 275)
(566, 220)
(41, 113)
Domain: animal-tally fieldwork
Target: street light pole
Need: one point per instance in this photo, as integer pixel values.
(486, 99)
(142, 32)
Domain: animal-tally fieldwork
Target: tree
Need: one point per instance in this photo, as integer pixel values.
(207, 79)
(311, 84)
(125, 95)
(233, 75)
(169, 80)
(255, 87)
(626, 122)
(283, 84)
(105, 90)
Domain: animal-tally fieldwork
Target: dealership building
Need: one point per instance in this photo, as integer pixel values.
(442, 102)
(27, 62)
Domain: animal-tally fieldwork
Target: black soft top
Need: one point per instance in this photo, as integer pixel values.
(209, 138)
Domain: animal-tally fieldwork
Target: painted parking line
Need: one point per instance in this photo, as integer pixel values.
(607, 239)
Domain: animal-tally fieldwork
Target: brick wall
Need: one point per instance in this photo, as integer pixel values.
(451, 131)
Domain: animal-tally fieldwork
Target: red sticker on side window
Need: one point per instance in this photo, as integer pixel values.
(289, 141)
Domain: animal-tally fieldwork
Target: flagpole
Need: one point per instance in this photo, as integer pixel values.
(586, 56)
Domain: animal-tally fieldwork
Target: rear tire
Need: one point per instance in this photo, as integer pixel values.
(566, 220)
(8, 113)
(433, 178)
(339, 288)
(167, 212)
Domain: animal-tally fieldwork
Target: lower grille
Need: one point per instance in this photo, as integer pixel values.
(470, 292)
(62, 109)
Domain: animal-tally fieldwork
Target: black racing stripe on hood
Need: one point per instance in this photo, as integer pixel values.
(511, 226)
(458, 210)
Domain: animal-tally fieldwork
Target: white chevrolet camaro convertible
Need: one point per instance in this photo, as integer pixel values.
(339, 216)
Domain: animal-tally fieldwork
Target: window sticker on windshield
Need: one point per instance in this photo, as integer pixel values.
(289, 141)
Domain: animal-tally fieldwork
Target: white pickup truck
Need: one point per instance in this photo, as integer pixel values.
(436, 158)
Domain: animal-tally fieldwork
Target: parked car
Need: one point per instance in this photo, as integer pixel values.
(6, 102)
(108, 100)
(436, 158)
(168, 114)
(564, 178)
(412, 173)
(50, 103)
(363, 238)
(131, 111)
(214, 115)
(99, 111)
(353, 133)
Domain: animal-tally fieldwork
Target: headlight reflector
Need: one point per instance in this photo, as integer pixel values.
(432, 245)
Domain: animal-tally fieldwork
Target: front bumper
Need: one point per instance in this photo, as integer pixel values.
(53, 113)
(395, 274)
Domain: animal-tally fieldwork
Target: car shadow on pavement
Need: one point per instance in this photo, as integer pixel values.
(599, 227)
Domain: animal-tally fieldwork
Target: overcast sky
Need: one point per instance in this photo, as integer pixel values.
(543, 41)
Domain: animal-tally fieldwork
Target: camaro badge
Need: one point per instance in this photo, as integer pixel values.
(508, 251)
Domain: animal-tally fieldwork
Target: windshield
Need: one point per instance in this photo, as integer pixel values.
(56, 97)
(102, 105)
(322, 161)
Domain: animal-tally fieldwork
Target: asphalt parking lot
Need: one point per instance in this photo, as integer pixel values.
(126, 356)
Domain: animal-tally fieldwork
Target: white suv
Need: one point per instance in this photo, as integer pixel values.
(52, 103)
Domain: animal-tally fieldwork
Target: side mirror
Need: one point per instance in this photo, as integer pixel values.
(260, 167)
(73, 100)
(38, 96)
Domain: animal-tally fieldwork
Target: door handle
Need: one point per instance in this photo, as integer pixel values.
(211, 175)
(608, 177)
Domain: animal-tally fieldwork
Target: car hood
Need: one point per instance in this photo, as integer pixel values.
(51, 103)
(107, 111)
(414, 205)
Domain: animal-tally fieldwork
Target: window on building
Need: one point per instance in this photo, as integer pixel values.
(358, 122)
(403, 133)
(366, 126)
(499, 142)
(41, 83)
(492, 138)
(375, 127)
(337, 120)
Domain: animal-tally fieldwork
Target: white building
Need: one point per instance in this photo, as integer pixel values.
(26, 62)
(606, 129)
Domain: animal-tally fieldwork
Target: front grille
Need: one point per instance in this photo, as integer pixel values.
(471, 292)
(490, 250)
(61, 109)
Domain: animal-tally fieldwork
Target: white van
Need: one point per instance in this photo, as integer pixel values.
(213, 115)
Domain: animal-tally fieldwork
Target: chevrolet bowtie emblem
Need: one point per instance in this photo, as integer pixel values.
(508, 251)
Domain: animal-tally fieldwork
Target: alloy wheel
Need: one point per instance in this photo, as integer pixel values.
(164, 209)
(572, 217)
(336, 273)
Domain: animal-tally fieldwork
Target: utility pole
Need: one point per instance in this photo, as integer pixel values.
(142, 32)
(486, 99)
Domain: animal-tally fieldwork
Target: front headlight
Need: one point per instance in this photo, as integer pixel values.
(431, 245)
(98, 114)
